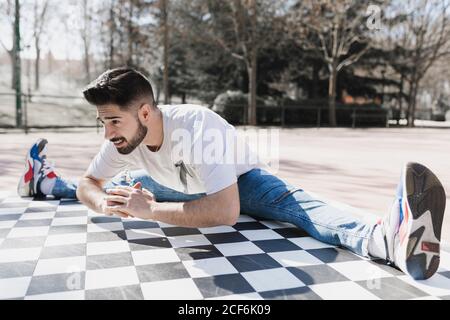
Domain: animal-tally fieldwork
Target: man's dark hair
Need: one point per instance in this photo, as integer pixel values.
(120, 86)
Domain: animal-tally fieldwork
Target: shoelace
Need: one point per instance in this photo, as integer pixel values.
(47, 166)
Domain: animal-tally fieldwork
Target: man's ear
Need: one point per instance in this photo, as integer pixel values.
(145, 112)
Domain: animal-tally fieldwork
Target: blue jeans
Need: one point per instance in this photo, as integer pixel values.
(263, 195)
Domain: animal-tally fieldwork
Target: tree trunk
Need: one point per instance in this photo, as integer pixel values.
(410, 102)
(332, 96)
(166, 51)
(50, 61)
(130, 61)
(17, 65)
(37, 66)
(408, 107)
(13, 59)
(87, 67)
(412, 106)
(315, 81)
(252, 73)
(86, 41)
(13, 71)
(400, 99)
(111, 36)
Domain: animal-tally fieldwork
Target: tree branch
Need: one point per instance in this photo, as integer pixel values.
(352, 59)
(324, 48)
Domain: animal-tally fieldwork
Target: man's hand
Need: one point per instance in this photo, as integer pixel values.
(107, 203)
(129, 201)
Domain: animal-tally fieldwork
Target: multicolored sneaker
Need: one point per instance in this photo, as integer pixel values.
(412, 230)
(34, 162)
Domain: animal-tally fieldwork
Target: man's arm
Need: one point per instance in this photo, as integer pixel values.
(220, 208)
(90, 193)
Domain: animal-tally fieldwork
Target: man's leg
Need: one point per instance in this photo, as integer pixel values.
(265, 195)
(409, 235)
(40, 179)
(64, 188)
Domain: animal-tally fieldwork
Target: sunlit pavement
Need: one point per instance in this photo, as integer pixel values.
(358, 167)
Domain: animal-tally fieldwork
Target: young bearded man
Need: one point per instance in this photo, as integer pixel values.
(179, 187)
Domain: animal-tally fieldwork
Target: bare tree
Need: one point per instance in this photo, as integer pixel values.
(164, 10)
(111, 24)
(125, 29)
(240, 28)
(38, 28)
(436, 82)
(248, 19)
(425, 39)
(107, 23)
(86, 38)
(132, 40)
(336, 30)
(126, 32)
(245, 22)
(8, 9)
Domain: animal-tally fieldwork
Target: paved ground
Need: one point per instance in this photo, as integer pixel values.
(60, 250)
(357, 167)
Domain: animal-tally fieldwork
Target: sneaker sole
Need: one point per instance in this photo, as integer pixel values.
(23, 188)
(423, 207)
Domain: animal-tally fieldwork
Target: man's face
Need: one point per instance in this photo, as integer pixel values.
(123, 128)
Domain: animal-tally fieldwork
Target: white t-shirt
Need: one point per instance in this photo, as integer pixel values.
(201, 153)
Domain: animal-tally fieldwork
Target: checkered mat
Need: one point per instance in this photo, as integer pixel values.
(62, 250)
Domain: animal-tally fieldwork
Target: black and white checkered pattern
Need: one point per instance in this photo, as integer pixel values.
(61, 250)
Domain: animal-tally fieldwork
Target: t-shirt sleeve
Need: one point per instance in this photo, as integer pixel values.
(107, 163)
(212, 152)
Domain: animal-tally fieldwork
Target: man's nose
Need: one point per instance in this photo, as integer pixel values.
(109, 133)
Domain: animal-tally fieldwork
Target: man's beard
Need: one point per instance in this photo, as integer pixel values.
(134, 142)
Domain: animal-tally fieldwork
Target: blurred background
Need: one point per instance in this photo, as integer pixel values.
(256, 62)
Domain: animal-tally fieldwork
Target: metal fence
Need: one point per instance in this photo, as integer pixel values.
(310, 115)
(47, 111)
(53, 111)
